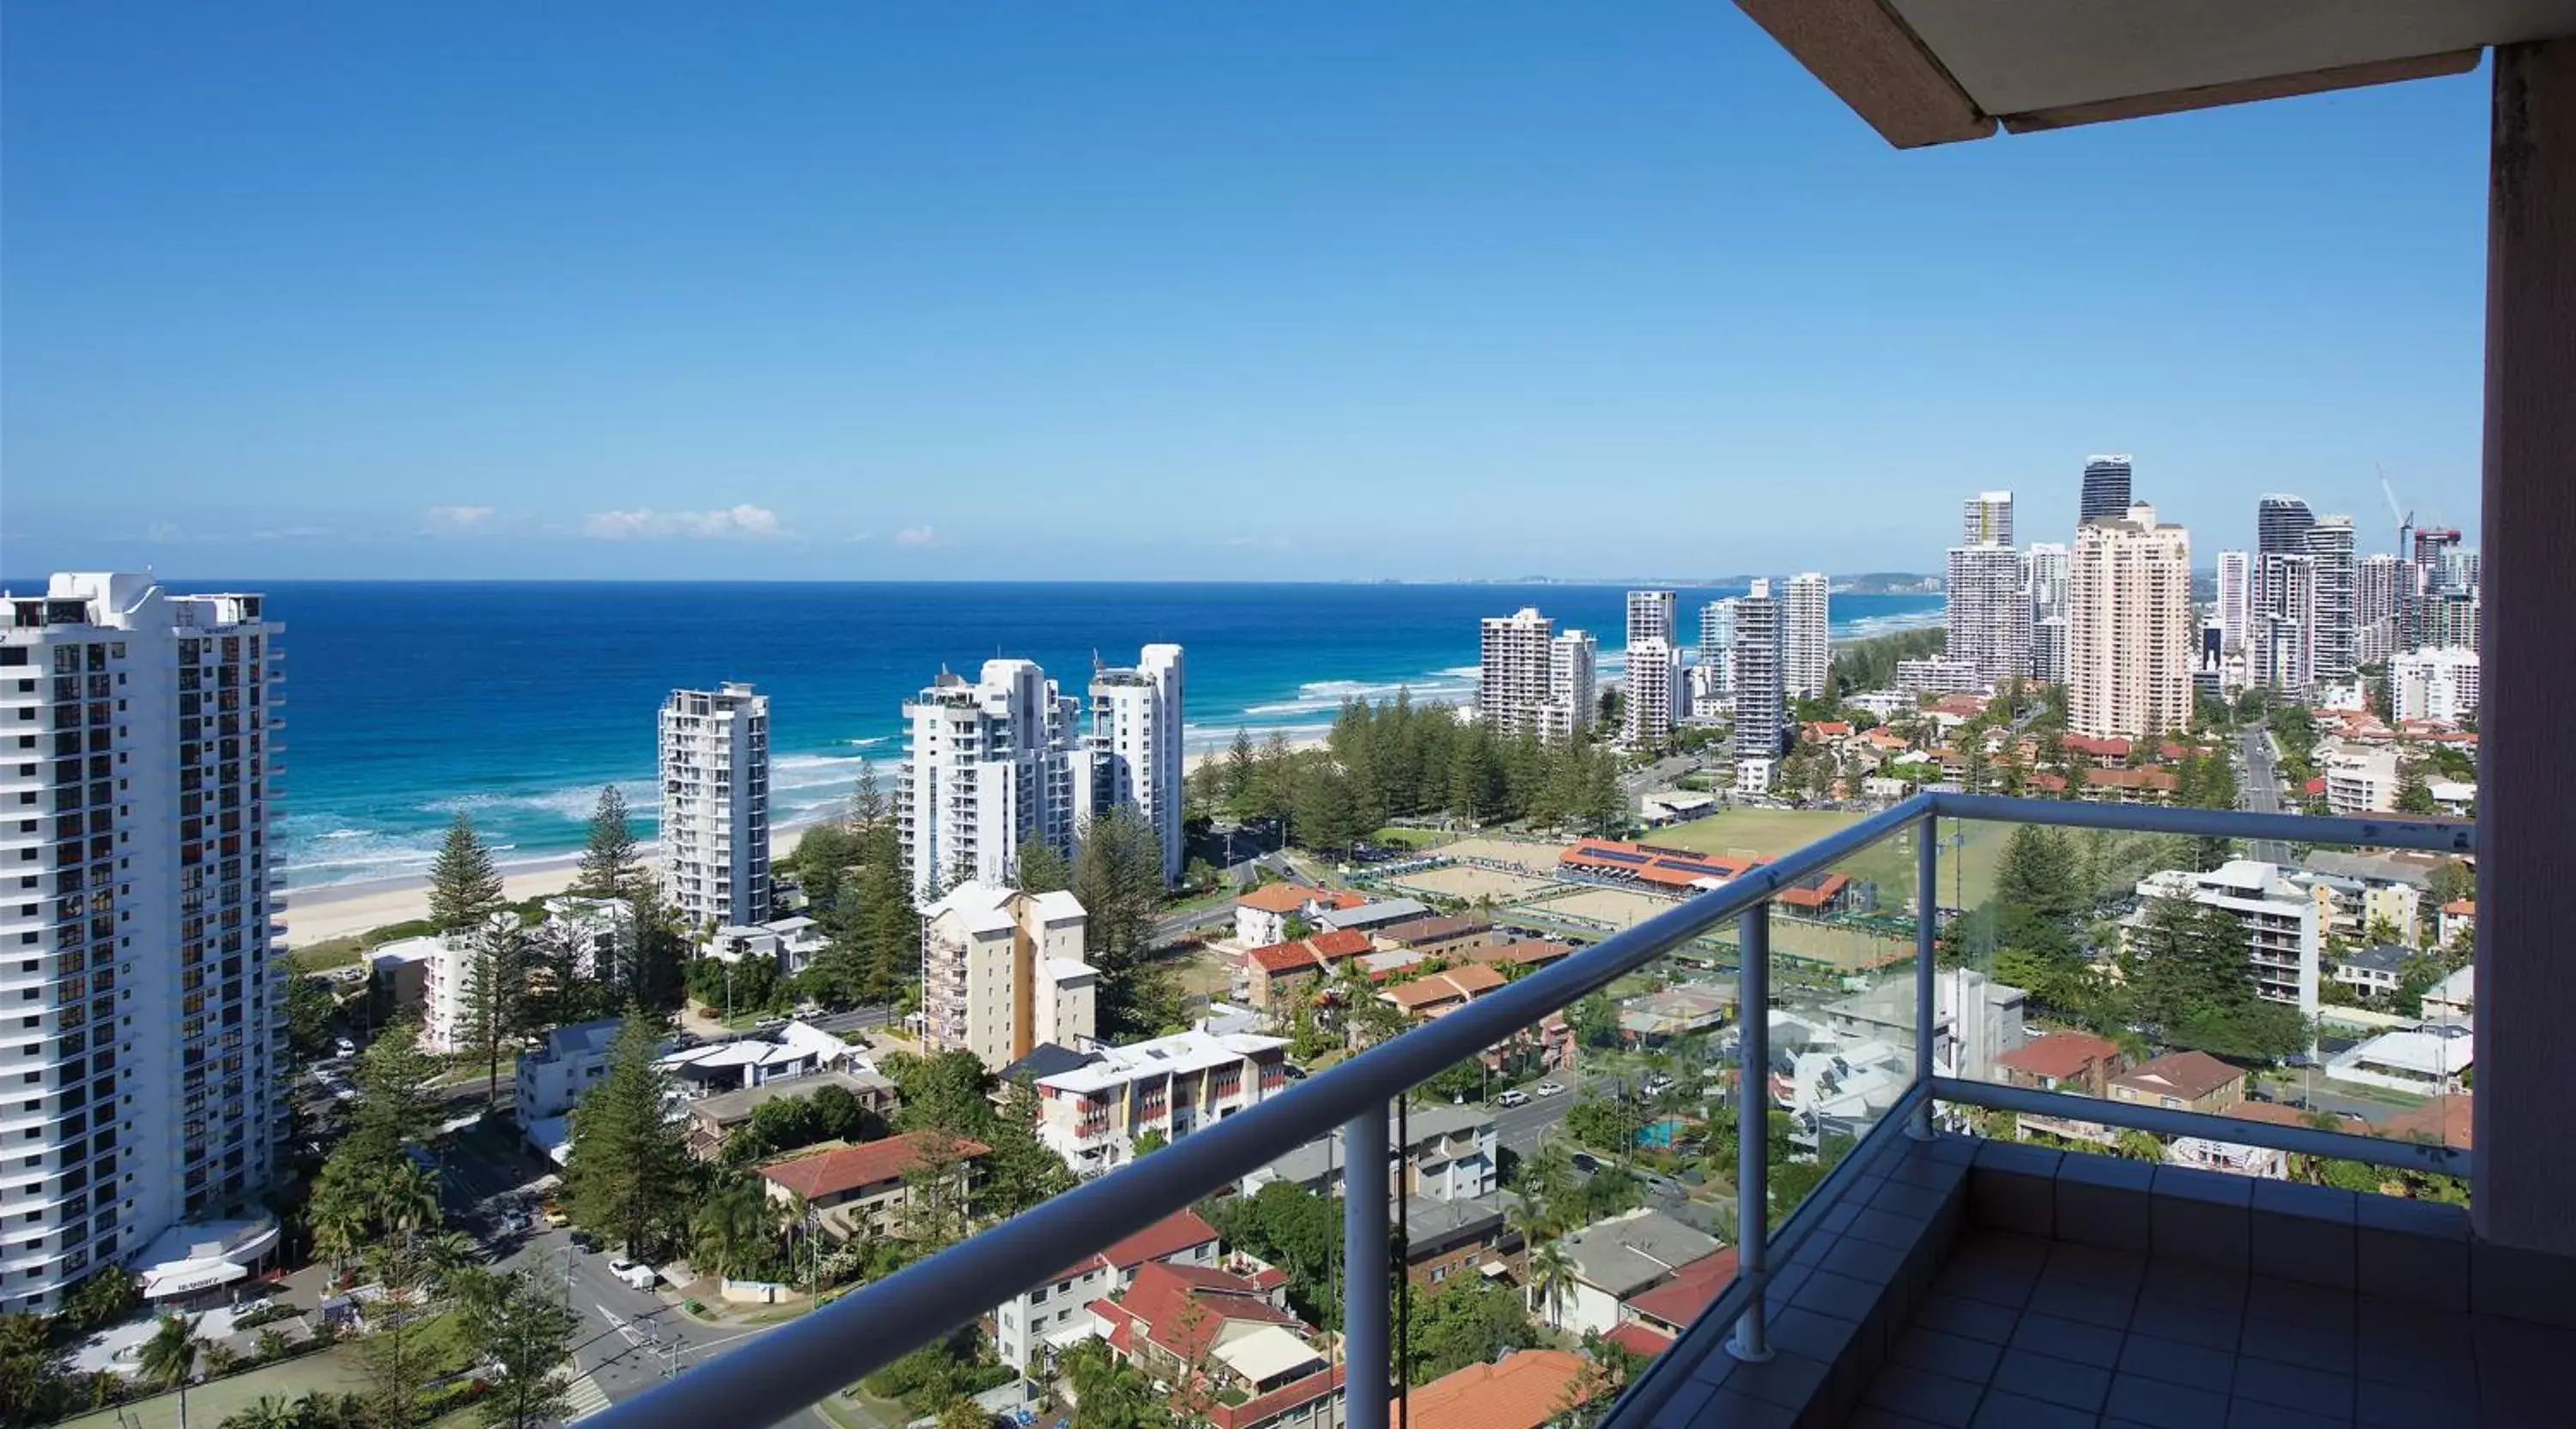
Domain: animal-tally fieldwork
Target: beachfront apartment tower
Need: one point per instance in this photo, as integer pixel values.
(1002, 973)
(2235, 600)
(1805, 623)
(715, 806)
(1512, 675)
(1986, 519)
(1132, 757)
(2106, 490)
(987, 767)
(2130, 628)
(2043, 581)
(1646, 710)
(2330, 547)
(1761, 709)
(1650, 616)
(1573, 659)
(149, 1004)
(1988, 621)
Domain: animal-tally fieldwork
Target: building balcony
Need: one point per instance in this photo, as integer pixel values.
(1928, 1245)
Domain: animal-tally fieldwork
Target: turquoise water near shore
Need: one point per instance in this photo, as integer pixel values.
(515, 702)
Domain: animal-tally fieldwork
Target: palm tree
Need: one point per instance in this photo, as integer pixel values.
(407, 1201)
(733, 1226)
(1552, 1277)
(1530, 1219)
(170, 1356)
(2139, 1146)
(270, 1412)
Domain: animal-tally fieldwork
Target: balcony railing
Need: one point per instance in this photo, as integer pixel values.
(805, 1361)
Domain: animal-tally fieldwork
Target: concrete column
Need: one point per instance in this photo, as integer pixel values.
(2526, 1062)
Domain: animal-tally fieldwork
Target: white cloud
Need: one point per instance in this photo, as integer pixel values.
(164, 533)
(645, 523)
(457, 518)
(913, 536)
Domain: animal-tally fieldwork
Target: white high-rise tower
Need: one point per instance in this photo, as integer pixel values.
(2043, 569)
(1512, 677)
(1805, 655)
(1988, 621)
(1761, 710)
(2235, 601)
(1133, 754)
(1646, 710)
(148, 1028)
(988, 766)
(2131, 631)
(1650, 616)
(1573, 692)
(715, 806)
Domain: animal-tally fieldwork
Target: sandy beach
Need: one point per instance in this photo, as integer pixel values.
(336, 910)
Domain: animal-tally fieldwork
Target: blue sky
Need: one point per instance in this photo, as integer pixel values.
(1164, 291)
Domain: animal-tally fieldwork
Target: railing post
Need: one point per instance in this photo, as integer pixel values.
(1752, 1341)
(1365, 1361)
(1927, 924)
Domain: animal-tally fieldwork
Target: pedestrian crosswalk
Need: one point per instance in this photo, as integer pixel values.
(583, 1398)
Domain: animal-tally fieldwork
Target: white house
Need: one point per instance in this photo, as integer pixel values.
(791, 943)
(2454, 997)
(2429, 1062)
(1615, 1259)
(552, 1078)
(1057, 1315)
(797, 1050)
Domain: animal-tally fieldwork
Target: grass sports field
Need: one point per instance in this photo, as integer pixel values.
(1459, 880)
(1769, 833)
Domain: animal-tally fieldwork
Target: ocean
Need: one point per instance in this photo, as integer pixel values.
(406, 702)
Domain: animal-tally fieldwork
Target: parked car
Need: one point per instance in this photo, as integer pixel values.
(584, 1240)
(640, 1277)
(1658, 1084)
(1548, 1089)
(344, 1047)
(1586, 1162)
(1514, 1097)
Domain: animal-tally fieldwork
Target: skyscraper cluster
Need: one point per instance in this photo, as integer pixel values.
(1002, 761)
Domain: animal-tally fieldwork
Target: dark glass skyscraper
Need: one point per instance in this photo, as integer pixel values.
(2281, 526)
(2106, 489)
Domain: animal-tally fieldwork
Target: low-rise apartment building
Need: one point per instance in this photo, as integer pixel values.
(1057, 1315)
(1279, 976)
(2078, 1063)
(1261, 916)
(2182, 1081)
(868, 1189)
(1614, 1259)
(2372, 971)
(1092, 1116)
(2284, 930)
(1450, 1153)
(2361, 781)
(714, 1120)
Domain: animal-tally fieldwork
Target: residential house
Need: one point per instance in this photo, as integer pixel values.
(1057, 1315)
(1279, 976)
(789, 943)
(1261, 916)
(1665, 1310)
(1445, 1237)
(1440, 936)
(1522, 955)
(1449, 1154)
(714, 1120)
(2182, 1081)
(1373, 916)
(868, 1189)
(2431, 1061)
(796, 1050)
(2457, 920)
(1614, 1259)
(550, 1080)
(1656, 1017)
(2392, 889)
(1224, 1344)
(2454, 997)
(1428, 997)
(2076, 1062)
(1093, 1115)
(1525, 1389)
(2372, 971)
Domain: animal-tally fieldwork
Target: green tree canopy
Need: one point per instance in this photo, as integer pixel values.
(464, 884)
(627, 1171)
(610, 864)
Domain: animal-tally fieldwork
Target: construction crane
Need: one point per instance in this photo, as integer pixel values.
(2405, 518)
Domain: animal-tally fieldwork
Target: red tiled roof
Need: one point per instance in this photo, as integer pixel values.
(2461, 908)
(1457, 984)
(2443, 1119)
(1826, 729)
(1815, 891)
(1321, 950)
(1162, 1240)
(1277, 1402)
(2188, 1075)
(2060, 1054)
(1339, 900)
(1639, 1338)
(852, 1167)
(1275, 898)
(2161, 780)
(1691, 1289)
(2112, 748)
(2315, 786)
(1529, 951)
(1523, 1390)
(1162, 1298)
(2050, 782)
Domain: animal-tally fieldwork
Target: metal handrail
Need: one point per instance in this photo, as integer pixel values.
(807, 1360)
(2209, 1126)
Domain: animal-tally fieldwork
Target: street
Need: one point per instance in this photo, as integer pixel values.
(630, 1340)
(2262, 792)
